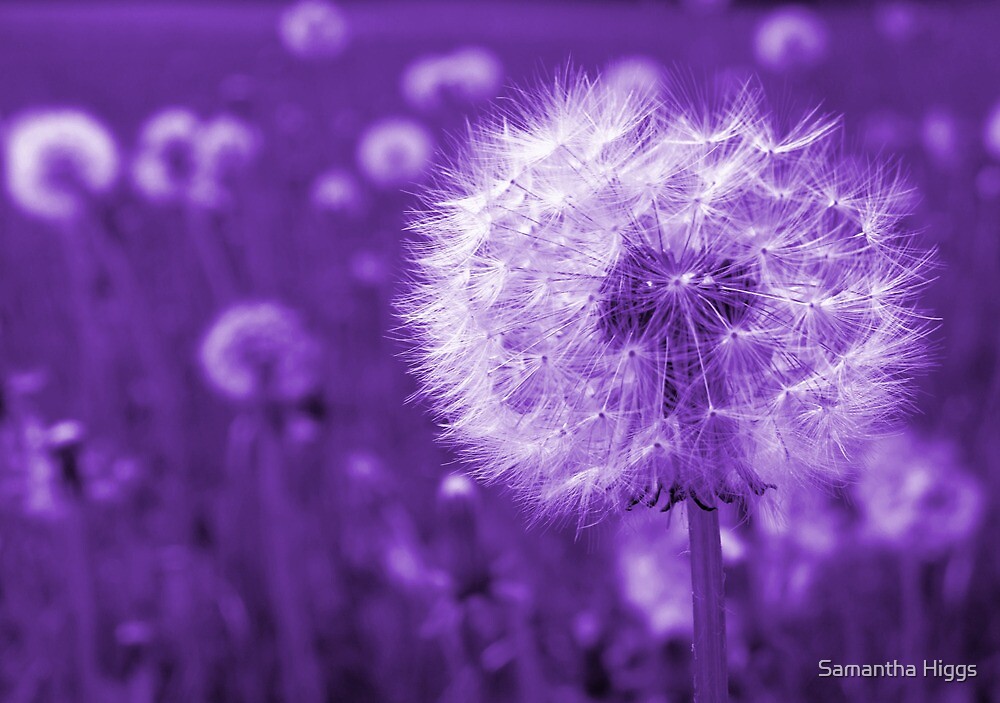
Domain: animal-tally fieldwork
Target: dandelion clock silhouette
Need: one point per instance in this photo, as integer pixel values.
(619, 300)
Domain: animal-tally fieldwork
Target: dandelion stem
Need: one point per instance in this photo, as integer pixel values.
(710, 675)
(300, 671)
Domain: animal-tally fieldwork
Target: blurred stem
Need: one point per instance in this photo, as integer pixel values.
(211, 257)
(710, 674)
(913, 625)
(81, 594)
(300, 670)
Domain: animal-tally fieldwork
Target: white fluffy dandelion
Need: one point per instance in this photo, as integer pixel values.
(56, 160)
(619, 300)
(260, 351)
(394, 152)
(613, 299)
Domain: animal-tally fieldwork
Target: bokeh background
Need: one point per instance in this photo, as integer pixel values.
(232, 182)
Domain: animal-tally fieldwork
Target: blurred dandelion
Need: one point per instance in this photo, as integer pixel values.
(651, 562)
(394, 152)
(262, 355)
(226, 146)
(58, 159)
(257, 351)
(641, 76)
(337, 191)
(313, 29)
(991, 132)
(615, 300)
(462, 77)
(916, 496)
(791, 38)
(165, 160)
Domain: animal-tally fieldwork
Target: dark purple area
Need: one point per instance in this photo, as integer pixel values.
(178, 538)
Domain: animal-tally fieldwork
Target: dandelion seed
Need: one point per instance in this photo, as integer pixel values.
(791, 38)
(58, 159)
(260, 350)
(465, 76)
(313, 29)
(394, 152)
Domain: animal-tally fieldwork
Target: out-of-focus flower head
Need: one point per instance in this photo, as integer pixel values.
(261, 350)
(991, 132)
(314, 29)
(791, 38)
(941, 136)
(637, 75)
(183, 158)
(887, 130)
(900, 21)
(225, 147)
(56, 160)
(338, 192)
(165, 161)
(465, 76)
(615, 299)
(48, 466)
(395, 151)
(652, 561)
(917, 496)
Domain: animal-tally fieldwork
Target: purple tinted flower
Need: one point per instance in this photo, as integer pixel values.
(165, 161)
(614, 298)
(225, 147)
(465, 76)
(652, 561)
(638, 75)
(791, 38)
(394, 151)
(916, 496)
(337, 191)
(56, 159)
(991, 132)
(260, 350)
(313, 29)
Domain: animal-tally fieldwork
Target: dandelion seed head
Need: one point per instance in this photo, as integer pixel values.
(791, 38)
(337, 191)
(615, 298)
(991, 132)
(260, 350)
(639, 75)
(226, 146)
(394, 151)
(465, 76)
(56, 160)
(917, 496)
(165, 160)
(313, 29)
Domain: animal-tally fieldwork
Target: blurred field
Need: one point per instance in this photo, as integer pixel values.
(178, 554)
